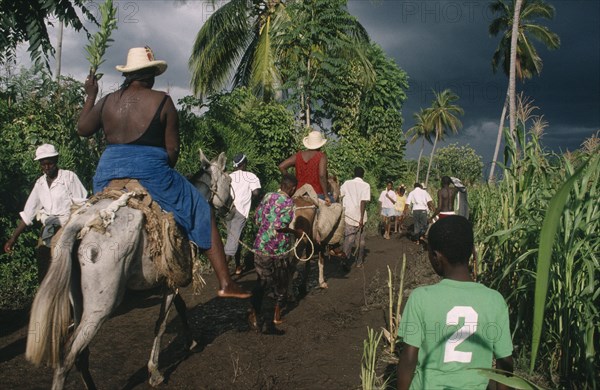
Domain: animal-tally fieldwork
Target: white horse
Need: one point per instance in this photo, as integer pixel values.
(96, 278)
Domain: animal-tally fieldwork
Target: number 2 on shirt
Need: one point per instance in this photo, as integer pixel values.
(469, 327)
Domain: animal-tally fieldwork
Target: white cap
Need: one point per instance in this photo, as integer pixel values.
(45, 151)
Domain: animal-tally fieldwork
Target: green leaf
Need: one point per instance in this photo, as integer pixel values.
(549, 228)
(511, 380)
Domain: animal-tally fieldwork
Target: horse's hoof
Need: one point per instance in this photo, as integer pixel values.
(323, 285)
(190, 345)
(156, 380)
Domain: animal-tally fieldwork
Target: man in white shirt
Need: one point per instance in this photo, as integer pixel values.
(49, 202)
(387, 200)
(355, 194)
(421, 202)
(245, 186)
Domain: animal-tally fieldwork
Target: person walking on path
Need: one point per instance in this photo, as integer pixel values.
(271, 251)
(49, 202)
(446, 196)
(245, 187)
(399, 208)
(420, 202)
(355, 194)
(446, 328)
(387, 200)
(141, 128)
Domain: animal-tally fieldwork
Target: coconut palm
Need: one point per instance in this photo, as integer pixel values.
(440, 117)
(420, 131)
(527, 60)
(236, 40)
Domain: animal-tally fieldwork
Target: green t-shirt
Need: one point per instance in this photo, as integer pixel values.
(456, 326)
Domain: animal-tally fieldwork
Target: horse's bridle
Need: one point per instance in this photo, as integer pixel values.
(211, 194)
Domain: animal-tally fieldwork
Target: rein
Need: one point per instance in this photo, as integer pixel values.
(284, 254)
(212, 193)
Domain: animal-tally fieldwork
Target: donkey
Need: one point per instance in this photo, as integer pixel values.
(93, 273)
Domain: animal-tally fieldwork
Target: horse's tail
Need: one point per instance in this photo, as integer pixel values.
(50, 312)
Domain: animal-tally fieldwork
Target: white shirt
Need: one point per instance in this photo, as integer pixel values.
(242, 185)
(418, 199)
(353, 192)
(386, 203)
(56, 200)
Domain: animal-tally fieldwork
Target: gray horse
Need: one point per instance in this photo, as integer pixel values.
(94, 283)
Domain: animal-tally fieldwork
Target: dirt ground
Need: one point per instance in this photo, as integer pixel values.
(321, 348)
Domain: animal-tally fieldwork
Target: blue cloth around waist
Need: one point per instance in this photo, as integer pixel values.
(173, 192)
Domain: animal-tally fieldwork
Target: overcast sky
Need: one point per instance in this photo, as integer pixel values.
(440, 44)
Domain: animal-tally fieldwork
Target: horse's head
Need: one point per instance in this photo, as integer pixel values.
(213, 182)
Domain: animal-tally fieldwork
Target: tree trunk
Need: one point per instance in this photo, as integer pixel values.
(307, 94)
(498, 139)
(431, 158)
(419, 160)
(513, 61)
(59, 49)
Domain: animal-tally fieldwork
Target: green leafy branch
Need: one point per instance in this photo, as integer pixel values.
(99, 42)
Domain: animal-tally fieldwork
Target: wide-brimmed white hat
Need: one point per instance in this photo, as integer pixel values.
(45, 151)
(314, 140)
(141, 58)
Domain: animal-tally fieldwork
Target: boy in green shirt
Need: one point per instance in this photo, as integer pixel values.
(454, 325)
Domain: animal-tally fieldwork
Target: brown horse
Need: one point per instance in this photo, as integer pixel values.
(306, 221)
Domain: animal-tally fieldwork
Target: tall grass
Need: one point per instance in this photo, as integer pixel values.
(508, 221)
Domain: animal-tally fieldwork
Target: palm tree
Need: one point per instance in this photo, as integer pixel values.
(527, 61)
(238, 36)
(440, 117)
(319, 40)
(419, 131)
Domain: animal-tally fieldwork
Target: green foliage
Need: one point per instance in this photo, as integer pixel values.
(441, 117)
(508, 224)
(528, 63)
(99, 42)
(34, 110)
(317, 42)
(238, 39)
(26, 21)
(18, 280)
(238, 122)
(458, 161)
(368, 376)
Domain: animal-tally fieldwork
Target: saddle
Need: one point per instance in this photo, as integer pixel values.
(329, 222)
(168, 247)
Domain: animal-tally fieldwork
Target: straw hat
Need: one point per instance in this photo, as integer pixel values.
(314, 140)
(141, 58)
(45, 151)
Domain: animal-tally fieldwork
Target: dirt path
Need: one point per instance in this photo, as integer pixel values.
(321, 348)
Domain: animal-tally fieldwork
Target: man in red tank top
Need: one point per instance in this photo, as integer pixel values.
(310, 164)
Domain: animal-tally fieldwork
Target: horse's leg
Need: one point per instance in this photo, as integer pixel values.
(322, 282)
(156, 378)
(181, 308)
(82, 362)
(303, 288)
(82, 336)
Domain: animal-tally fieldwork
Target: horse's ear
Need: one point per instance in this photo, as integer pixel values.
(222, 160)
(203, 159)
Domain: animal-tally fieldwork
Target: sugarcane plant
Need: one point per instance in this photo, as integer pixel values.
(391, 334)
(100, 41)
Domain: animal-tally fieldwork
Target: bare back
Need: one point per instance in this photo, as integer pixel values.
(127, 114)
(446, 197)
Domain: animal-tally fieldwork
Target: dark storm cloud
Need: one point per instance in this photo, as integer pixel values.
(445, 44)
(440, 44)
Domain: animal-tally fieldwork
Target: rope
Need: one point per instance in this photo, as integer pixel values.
(284, 254)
